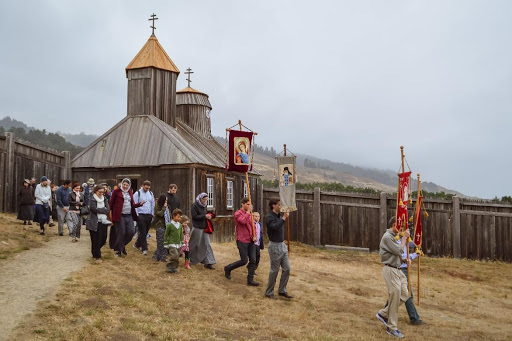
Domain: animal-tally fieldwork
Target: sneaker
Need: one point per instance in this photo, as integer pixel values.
(382, 319)
(395, 333)
(145, 253)
(137, 248)
(41, 233)
(117, 254)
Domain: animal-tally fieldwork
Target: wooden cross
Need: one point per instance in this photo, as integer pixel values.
(188, 72)
(153, 18)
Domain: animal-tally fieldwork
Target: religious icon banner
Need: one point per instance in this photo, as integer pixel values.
(417, 222)
(286, 178)
(402, 199)
(239, 150)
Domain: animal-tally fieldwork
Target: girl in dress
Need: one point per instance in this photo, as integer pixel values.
(186, 237)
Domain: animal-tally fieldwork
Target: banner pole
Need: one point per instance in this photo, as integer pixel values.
(404, 227)
(419, 256)
(287, 220)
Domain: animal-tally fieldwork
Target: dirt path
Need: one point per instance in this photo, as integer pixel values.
(34, 276)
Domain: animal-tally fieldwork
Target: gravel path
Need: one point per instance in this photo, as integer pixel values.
(34, 276)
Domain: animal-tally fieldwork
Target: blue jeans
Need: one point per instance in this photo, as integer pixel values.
(409, 304)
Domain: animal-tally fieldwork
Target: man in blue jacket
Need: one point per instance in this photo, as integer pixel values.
(62, 194)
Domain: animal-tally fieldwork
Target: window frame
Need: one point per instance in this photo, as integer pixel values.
(211, 199)
(228, 194)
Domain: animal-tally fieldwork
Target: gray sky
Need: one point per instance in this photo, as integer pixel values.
(329, 78)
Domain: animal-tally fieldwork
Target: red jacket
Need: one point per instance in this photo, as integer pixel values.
(116, 205)
(243, 226)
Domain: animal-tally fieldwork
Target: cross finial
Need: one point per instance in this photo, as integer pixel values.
(153, 18)
(188, 72)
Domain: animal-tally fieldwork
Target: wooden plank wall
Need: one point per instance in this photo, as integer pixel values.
(28, 161)
(485, 228)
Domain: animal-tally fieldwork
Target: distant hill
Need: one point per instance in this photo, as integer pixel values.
(80, 140)
(311, 169)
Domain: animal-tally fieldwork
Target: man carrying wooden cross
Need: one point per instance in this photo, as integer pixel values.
(396, 282)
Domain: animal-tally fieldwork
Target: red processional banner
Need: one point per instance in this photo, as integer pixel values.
(239, 150)
(417, 223)
(402, 199)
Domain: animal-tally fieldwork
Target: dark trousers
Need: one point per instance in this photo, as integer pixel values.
(258, 256)
(42, 215)
(112, 237)
(247, 253)
(409, 304)
(143, 225)
(125, 230)
(98, 238)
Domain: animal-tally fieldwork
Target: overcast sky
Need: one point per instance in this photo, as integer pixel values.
(350, 81)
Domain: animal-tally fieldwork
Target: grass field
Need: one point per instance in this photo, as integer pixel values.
(16, 237)
(336, 297)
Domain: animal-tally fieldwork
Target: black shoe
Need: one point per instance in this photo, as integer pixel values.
(272, 297)
(117, 254)
(41, 233)
(253, 284)
(124, 252)
(51, 225)
(61, 234)
(25, 223)
(285, 295)
(227, 273)
(209, 266)
(418, 323)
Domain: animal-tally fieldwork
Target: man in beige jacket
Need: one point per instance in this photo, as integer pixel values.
(391, 256)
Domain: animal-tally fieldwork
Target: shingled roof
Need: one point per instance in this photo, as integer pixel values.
(146, 141)
(153, 54)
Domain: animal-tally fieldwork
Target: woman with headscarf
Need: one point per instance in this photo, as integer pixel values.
(199, 244)
(26, 198)
(97, 221)
(123, 216)
(162, 218)
(73, 218)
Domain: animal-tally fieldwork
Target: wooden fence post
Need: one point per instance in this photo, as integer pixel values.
(317, 217)
(493, 237)
(383, 213)
(456, 227)
(259, 197)
(9, 173)
(66, 171)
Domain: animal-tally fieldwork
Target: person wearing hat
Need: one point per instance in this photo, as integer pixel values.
(43, 195)
(26, 197)
(88, 190)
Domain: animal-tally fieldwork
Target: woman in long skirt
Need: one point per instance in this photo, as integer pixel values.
(26, 198)
(162, 218)
(73, 218)
(200, 249)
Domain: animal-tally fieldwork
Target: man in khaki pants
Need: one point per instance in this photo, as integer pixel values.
(391, 256)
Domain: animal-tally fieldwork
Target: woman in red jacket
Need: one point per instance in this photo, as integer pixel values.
(123, 216)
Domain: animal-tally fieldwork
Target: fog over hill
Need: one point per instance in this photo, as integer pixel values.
(309, 168)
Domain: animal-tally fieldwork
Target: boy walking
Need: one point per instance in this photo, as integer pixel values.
(173, 240)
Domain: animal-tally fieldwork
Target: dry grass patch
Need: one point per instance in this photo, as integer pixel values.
(336, 297)
(16, 237)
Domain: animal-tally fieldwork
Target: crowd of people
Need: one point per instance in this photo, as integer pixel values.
(130, 214)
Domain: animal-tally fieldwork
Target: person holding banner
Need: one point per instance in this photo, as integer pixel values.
(245, 243)
(396, 282)
(277, 250)
(414, 318)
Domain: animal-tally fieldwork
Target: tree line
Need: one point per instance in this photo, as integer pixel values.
(44, 139)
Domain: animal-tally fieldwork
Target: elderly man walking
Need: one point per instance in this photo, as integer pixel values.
(391, 256)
